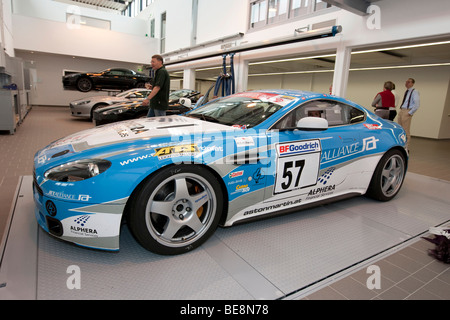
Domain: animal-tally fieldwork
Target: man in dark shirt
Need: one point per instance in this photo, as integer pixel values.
(158, 99)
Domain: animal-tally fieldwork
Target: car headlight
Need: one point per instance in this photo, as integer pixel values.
(115, 111)
(78, 170)
(82, 102)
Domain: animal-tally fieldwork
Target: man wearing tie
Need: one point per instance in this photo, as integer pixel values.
(409, 106)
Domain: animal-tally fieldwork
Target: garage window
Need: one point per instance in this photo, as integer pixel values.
(266, 12)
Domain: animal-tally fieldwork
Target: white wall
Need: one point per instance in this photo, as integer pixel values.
(445, 121)
(54, 37)
(401, 22)
(179, 22)
(57, 11)
(48, 89)
(431, 82)
(220, 19)
(6, 36)
(40, 26)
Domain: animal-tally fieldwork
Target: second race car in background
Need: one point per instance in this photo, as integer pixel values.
(133, 110)
(85, 107)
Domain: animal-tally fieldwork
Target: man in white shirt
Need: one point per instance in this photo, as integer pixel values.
(410, 104)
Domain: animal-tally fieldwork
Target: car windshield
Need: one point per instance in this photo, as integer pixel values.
(125, 93)
(179, 94)
(241, 111)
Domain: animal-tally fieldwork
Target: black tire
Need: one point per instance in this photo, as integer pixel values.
(176, 210)
(84, 84)
(97, 106)
(388, 177)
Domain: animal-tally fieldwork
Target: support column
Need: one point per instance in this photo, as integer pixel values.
(241, 74)
(341, 70)
(189, 79)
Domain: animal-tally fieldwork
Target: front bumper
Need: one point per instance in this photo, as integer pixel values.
(80, 110)
(69, 83)
(95, 226)
(100, 119)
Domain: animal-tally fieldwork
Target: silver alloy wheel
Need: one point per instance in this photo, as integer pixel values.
(392, 175)
(180, 210)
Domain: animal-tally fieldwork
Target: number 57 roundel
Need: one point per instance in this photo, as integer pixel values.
(297, 165)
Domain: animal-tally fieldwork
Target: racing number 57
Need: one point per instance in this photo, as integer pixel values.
(290, 171)
(295, 172)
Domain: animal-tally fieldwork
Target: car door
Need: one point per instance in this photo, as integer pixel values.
(310, 165)
(113, 79)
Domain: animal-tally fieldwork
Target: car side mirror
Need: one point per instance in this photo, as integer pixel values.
(186, 102)
(312, 124)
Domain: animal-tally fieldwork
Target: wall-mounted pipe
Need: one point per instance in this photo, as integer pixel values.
(304, 36)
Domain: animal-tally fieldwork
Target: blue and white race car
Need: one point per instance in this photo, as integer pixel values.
(175, 179)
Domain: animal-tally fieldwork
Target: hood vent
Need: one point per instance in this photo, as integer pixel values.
(59, 154)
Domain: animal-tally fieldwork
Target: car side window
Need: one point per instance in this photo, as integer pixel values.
(336, 113)
(116, 72)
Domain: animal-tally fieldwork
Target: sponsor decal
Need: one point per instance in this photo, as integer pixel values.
(244, 141)
(42, 159)
(236, 174)
(210, 149)
(372, 126)
(51, 208)
(340, 152)
(80, 228)
(242, 188)
(297, 165)
(290, 149)
(321, 190)
(349, 150)
(323, 179)
(175, 151)
(257, 176)
(65, 196)
(370, 143)
(273, 207)
(230, 183)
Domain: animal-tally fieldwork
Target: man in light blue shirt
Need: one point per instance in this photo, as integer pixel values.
(410, 104)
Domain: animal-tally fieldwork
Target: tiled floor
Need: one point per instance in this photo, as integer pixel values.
(409, 273)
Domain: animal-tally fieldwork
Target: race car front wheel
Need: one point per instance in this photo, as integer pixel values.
(176, 210)
(388, 176)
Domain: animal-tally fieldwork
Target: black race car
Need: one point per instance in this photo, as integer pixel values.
(115, 78)
(180, 102)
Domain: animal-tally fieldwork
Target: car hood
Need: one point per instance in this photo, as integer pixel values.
(138, 131)
(100, 98)
(119, 105)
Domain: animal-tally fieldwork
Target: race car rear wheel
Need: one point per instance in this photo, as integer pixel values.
(176, 210)
(388, 176)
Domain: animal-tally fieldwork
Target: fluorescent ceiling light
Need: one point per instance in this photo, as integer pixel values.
(355, 52)
(353, 69)
(404, 47)
(292, 59)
